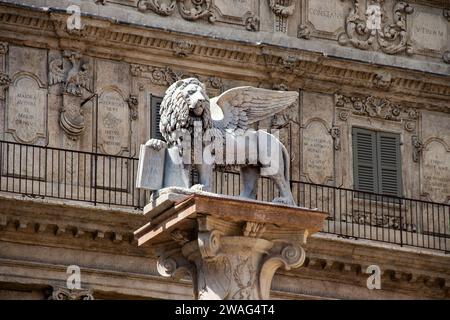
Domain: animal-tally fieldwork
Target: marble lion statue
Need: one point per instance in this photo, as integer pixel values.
(226, 120)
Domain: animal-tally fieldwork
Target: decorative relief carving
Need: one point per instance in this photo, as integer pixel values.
(364, 30)
(245, 277)
(196, 9)
(378, 220)
(382, 80)
(376, 107)
(5, 80)
(336, 135)
(417, 148)
(188, 9)
(344, 114)
(303, 32)
(370, 106)
(3, 47)
(159, 76)
(252, 23)
(133, 103)
(157, 6)
(446, 56)
(446, 13)
(253, 229)
(182, 48)
(60, 293)
(282, 10)
(73, 78)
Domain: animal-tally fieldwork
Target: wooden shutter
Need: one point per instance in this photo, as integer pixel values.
(389, 164)
(365, 160)
(155, 103)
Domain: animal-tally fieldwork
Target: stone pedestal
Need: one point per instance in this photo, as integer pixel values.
(230, 246)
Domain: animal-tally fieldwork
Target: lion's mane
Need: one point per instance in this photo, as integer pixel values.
(174, 111)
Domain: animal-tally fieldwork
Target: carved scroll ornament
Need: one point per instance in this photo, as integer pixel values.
(363, 31)
(189, 9)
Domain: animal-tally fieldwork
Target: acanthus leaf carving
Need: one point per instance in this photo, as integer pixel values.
(363, 31)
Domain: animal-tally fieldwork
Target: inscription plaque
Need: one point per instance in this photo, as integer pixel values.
(327, 16)
(234, 8)
(113, 123)
(26, 110)
(436, 171)
(429, 31)
(317, 153)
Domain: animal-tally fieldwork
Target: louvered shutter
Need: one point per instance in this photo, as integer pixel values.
(389, 164)
(155, 103)
(365, 160)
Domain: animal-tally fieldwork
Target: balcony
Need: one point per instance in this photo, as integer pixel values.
(44, 172)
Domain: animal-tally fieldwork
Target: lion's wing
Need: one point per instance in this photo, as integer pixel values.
(237, 108)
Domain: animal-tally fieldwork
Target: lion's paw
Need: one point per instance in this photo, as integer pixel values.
(155, 144)
(197, 187)
(282, 200)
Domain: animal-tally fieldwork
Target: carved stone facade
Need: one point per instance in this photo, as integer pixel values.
(381, 65)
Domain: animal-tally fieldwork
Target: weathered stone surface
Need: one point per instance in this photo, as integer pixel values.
(113, 122)
(429, 30)
(317, 150)
(26, 114)
(326, 17)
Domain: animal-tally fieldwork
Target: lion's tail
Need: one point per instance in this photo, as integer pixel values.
(286, 162)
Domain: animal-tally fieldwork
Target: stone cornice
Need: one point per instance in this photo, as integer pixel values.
(277, 65)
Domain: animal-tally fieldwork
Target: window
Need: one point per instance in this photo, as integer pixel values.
(155, 104)
(377, 162)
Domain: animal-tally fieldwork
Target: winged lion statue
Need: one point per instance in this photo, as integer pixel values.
(202, 133)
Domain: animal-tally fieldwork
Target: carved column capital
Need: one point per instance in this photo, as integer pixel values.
(231, 263)
(60, 293)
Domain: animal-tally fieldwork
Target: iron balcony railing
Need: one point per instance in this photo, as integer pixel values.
(38, 171)
(45, 172)
(362, 215)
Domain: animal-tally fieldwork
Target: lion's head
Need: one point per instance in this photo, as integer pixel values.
(185, 101)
